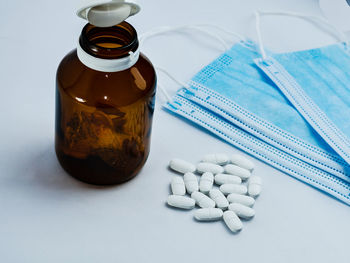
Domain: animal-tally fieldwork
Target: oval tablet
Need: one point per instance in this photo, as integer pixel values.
(232, 221)
(254, 186)
(219, 198)
(178, 186)
(241, 210)
(182, 166)
(208, 214)
(241, 199)
(233, 188)
(206, 182)
(216, 158)
(182, 202)
(227, 179)
(238, 171)
(202, 200)
(243, 162)
(209, 167)
(191, 182)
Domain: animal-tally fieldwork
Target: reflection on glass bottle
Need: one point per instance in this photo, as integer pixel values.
(104, 119)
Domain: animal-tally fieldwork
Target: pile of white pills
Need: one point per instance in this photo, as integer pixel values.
(230, 200)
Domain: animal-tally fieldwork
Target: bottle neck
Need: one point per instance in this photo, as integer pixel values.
(108, 49)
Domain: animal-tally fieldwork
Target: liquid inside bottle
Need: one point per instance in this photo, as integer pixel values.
(104, 119)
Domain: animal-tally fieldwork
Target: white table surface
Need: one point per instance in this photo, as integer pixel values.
(47, 216)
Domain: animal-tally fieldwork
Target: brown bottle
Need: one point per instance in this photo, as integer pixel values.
(104, 115)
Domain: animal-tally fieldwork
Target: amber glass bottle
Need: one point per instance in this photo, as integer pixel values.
(104, 118)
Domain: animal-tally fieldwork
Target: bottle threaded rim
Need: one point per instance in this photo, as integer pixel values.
(109, 42)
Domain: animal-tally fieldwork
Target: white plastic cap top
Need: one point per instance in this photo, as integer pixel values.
(106, 13)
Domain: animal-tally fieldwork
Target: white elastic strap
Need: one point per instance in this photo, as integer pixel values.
(163, 30)
(166, 29)
(340, 35)
(232, 33)
(165, 93)
(170, 76)
(258, 31)
(107, 65)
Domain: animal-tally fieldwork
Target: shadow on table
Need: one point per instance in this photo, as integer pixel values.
(44, 171)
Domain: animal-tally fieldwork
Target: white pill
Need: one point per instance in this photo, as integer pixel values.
(208, 214)
(219, 198)
(209, 167)
(238, 171)
(241, 210)
(243, 162)
(241, 199)
(191, 182)
(233, 188)
(216, 158)
(178, 186)
(182, 166)
(254, 186)
(180, 201)
(232, 221)
(202, 200)
(206, 182)
(227, 179)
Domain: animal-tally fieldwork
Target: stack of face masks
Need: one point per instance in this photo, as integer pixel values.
(288, 110)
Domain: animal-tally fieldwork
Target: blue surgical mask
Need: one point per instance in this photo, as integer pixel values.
(252, 145)
(317, 83)
(251, 101)
(234, 99)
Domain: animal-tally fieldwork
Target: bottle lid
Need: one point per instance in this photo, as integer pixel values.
(107, 13)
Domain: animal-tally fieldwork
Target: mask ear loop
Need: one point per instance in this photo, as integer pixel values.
(170, 76)
(232, 33)
(165, 29)
(258, 31)
(243, 40)
(339, 34)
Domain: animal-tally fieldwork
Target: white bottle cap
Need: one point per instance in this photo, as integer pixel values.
(106, 13)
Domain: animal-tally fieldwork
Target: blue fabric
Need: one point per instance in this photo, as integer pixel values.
(324, 74)
(245, 141)
(235, 100)
(317, 83)
(234, 75)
